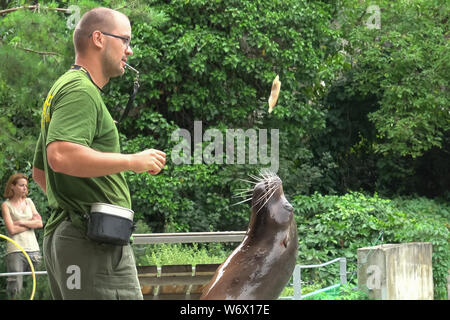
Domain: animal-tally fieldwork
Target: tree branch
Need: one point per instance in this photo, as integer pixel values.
(46, 53)
(35, 7)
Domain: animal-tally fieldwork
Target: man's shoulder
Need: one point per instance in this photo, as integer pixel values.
(72, 76)
(74, 80)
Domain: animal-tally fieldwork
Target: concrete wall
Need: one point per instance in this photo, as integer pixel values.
(396, 271)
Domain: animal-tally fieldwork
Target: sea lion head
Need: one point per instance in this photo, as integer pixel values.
(270, 208)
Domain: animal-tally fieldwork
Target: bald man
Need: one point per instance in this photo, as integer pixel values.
(77, 162)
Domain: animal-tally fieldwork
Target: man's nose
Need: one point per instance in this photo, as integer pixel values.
(128, 51)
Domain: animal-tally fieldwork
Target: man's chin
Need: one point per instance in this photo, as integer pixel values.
(118, 73)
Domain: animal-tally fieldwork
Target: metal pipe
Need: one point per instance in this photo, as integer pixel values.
(26, 273)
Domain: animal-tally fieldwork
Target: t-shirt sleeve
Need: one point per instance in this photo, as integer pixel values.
(38, 159)
(73, 119)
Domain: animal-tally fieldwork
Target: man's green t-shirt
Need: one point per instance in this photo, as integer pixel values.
(74, 111)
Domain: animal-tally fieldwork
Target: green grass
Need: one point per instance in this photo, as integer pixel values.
(346, 292)
(173, 254)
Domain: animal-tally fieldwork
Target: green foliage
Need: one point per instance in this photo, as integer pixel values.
(332, 226)
(404, 63)
(388, 116)
(214, 61)
(29, 62)
(412, 58)
(16, 147)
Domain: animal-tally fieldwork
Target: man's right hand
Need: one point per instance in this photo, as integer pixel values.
(150, 160)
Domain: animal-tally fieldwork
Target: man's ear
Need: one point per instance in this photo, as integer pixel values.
(98, 39)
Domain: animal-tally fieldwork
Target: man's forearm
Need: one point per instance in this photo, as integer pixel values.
(81, 161)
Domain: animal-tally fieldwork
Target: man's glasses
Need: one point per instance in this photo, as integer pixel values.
(126, 41)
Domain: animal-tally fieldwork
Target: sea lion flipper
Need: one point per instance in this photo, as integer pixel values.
(285, 241)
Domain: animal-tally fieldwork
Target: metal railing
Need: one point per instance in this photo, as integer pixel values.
(298, 277)
(153, 238)
(189, 237)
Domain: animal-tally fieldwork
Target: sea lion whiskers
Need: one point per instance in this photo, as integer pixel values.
(240, 192)
(266, 176)
(259, 200)
(264, 195)
(269, 187)
(248, 181)
(272, 189)
(235, 204)
(256, 178)
(248, 191)
(243, 193)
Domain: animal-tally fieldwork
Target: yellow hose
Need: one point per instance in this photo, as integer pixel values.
(29, 261)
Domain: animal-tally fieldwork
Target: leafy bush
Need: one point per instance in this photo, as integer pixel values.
(332, 226)
(173, 254)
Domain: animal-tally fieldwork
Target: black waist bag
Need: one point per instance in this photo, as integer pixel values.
(110, 224)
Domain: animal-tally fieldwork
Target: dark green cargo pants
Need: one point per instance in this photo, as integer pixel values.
(79, 268)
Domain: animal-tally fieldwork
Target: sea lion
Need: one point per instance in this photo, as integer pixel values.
(260, 267)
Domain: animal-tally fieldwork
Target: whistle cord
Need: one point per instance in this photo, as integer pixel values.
(131, 99)
(77, 67)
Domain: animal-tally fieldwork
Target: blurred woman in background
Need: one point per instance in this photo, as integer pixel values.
(21, 218)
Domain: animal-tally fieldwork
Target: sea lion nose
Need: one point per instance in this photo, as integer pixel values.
(288, 207)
